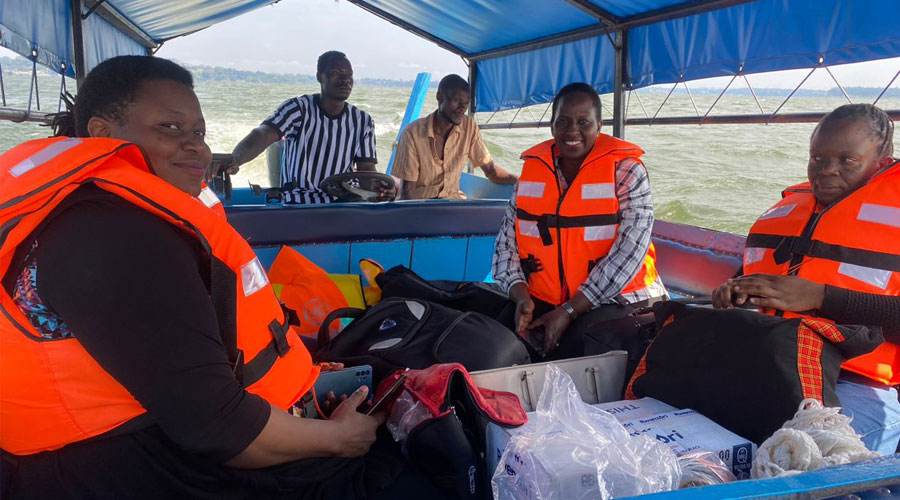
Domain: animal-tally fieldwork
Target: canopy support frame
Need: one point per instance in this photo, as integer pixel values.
(603, 16)
(748, 119)
(621, 65)
(665, 14)
(78, 41)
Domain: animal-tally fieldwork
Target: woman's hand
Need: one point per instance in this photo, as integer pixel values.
(788, 293)
(524, 305)
(725, 297)
(554, 324)
(357, 431)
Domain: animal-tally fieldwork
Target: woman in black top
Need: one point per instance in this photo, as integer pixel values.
(134, 291)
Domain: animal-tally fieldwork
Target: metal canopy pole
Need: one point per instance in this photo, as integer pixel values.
(619, 89)
(473, 76)
(78, 41)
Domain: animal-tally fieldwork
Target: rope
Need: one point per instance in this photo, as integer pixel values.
(816, 437)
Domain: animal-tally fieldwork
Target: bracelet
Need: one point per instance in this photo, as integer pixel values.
(569, 309)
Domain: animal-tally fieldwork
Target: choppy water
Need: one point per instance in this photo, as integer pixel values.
(715, 176)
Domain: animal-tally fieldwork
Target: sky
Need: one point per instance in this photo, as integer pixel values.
(288, 36)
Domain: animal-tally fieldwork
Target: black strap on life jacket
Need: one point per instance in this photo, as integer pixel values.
(223, 294)
(546, 221)
(530, 265)
(786, 247)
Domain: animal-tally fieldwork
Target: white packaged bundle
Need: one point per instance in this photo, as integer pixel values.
(570, 450)
(631, 409)
(686, 431)
(496, 437)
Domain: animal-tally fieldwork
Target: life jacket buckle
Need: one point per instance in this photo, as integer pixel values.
(279, 332)
(531, 265)
(544, 223)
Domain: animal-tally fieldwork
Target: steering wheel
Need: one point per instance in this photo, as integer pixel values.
(357, 186)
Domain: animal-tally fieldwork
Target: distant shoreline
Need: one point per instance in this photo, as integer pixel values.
(219, 73)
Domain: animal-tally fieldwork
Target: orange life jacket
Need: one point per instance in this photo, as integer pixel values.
(52, 392)
(853, 243)
(562, 236)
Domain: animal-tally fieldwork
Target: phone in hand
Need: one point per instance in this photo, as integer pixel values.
(341, 382)
(389, 396)
(534, 338)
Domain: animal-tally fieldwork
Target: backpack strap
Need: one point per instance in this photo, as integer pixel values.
(345, 312)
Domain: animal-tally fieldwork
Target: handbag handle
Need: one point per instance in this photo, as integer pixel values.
(324, 337)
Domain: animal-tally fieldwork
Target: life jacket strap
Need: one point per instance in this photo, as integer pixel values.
(787, 246)
(547, 221)
(530, 265)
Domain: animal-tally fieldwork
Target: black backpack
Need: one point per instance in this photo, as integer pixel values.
(409, 333)
(485, 298)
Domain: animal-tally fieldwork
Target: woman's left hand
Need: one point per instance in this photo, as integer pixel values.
(555, 324)
(788, 293)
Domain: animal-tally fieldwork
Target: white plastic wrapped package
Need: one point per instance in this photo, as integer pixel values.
(406, 413)
(703, 468)
(576, 451)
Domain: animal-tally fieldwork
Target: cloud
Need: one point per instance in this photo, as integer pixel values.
(406, 65)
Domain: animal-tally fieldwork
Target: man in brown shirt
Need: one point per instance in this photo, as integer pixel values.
(433, 150)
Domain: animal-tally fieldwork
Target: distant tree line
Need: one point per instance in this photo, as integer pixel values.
(218, 73)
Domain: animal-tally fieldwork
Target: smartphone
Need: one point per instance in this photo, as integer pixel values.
(389, 396)
(534, 338)
(342, 382)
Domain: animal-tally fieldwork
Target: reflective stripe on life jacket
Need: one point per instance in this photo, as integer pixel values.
(52, 392)
(562, 236)
(854, 243)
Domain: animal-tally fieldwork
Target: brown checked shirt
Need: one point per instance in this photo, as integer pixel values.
(420, 164)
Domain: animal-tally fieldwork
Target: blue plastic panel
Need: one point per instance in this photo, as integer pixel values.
(103, 41)
(478, 259)
(386, 253)
(820, 483)
(476, 187)
(44, 25)
(534, 77)
(766, 35)
(479, 25)
(635, 7)
(440, 258)
(164, 19)
(332, 258)
(266, 255)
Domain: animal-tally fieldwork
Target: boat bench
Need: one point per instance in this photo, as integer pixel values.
(453, 240)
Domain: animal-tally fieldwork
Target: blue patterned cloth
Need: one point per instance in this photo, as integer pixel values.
(25, 296)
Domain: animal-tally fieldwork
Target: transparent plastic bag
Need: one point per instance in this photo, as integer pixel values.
(703, 468)
(576, 451)
(405, 414)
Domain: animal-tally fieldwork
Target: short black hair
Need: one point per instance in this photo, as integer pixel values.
(451, 83)
(571, 89)
(880, 125)
(327, 59)
(111, 86)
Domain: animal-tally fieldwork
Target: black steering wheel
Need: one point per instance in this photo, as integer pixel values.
(358, 186)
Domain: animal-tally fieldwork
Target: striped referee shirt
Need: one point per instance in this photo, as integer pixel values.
(613, 272)
(317, 145)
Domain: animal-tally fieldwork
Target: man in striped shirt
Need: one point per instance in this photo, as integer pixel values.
(323, 134)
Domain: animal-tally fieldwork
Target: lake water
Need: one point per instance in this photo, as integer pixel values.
(715, 176)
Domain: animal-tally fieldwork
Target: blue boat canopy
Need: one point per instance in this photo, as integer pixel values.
(520, 51)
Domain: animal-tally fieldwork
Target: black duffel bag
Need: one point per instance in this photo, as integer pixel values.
(409, 333)
(745, 370)
(485, 298)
